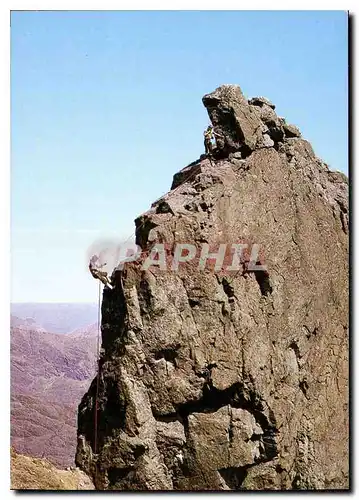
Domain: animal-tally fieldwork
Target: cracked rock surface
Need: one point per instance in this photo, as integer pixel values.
(221, 380)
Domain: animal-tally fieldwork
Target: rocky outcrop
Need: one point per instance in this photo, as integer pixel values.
(222, 379)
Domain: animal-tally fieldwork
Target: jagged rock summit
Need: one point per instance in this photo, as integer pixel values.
(220, 380)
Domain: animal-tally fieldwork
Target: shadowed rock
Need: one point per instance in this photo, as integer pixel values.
(238, 128)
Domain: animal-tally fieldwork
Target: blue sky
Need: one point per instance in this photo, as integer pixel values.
(106, 107)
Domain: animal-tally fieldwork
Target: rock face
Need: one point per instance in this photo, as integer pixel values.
(213, 379)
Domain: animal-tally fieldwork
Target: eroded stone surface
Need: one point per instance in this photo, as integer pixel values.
(230, 380)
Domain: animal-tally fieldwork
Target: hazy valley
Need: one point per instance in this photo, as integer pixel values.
(50, 372)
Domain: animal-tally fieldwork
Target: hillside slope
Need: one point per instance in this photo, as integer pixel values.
(49, 374)
(56, 317)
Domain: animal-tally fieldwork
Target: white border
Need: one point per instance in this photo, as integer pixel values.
(5, 8)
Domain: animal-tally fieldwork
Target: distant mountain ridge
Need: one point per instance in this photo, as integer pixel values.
(87, 331)
(49, 374)
(56, 317)
(28, 323)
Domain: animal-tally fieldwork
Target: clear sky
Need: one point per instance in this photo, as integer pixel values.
(106, 107)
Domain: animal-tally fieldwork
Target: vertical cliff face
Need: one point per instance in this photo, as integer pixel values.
(221, 379)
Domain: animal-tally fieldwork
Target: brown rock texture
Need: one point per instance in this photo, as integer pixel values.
(213, 379)
(28, 473)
